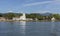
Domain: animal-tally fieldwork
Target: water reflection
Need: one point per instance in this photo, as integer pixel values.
(53, 29)
(22, 26)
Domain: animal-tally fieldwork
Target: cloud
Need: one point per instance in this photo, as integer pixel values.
(56, 0)
(43, 11)
(46, 11)
(29, 0)
(10, 11)
(38, 3)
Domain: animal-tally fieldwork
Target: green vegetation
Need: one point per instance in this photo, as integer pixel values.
(57, 16)
(31, 15)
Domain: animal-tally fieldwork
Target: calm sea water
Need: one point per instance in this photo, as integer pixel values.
(23, 28)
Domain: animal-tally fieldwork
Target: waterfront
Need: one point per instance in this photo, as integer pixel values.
(23, 28)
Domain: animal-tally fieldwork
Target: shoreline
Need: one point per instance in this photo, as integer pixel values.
(29, 20)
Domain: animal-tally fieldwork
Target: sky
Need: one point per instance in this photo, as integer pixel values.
(30, 6)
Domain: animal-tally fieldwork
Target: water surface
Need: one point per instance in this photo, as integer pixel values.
(23, 28)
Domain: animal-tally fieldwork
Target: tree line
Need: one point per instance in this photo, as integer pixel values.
(31, 15)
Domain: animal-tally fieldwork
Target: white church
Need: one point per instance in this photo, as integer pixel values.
(23, 17)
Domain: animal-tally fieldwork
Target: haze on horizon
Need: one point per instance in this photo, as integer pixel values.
(30, 6)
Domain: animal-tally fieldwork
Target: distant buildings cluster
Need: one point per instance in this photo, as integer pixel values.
(23, 17)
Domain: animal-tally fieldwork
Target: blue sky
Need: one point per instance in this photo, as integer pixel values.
(30, 6)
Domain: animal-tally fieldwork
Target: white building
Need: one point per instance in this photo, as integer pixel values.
(15, 18)
(53, 19)
(23, 17)
(2, 19)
